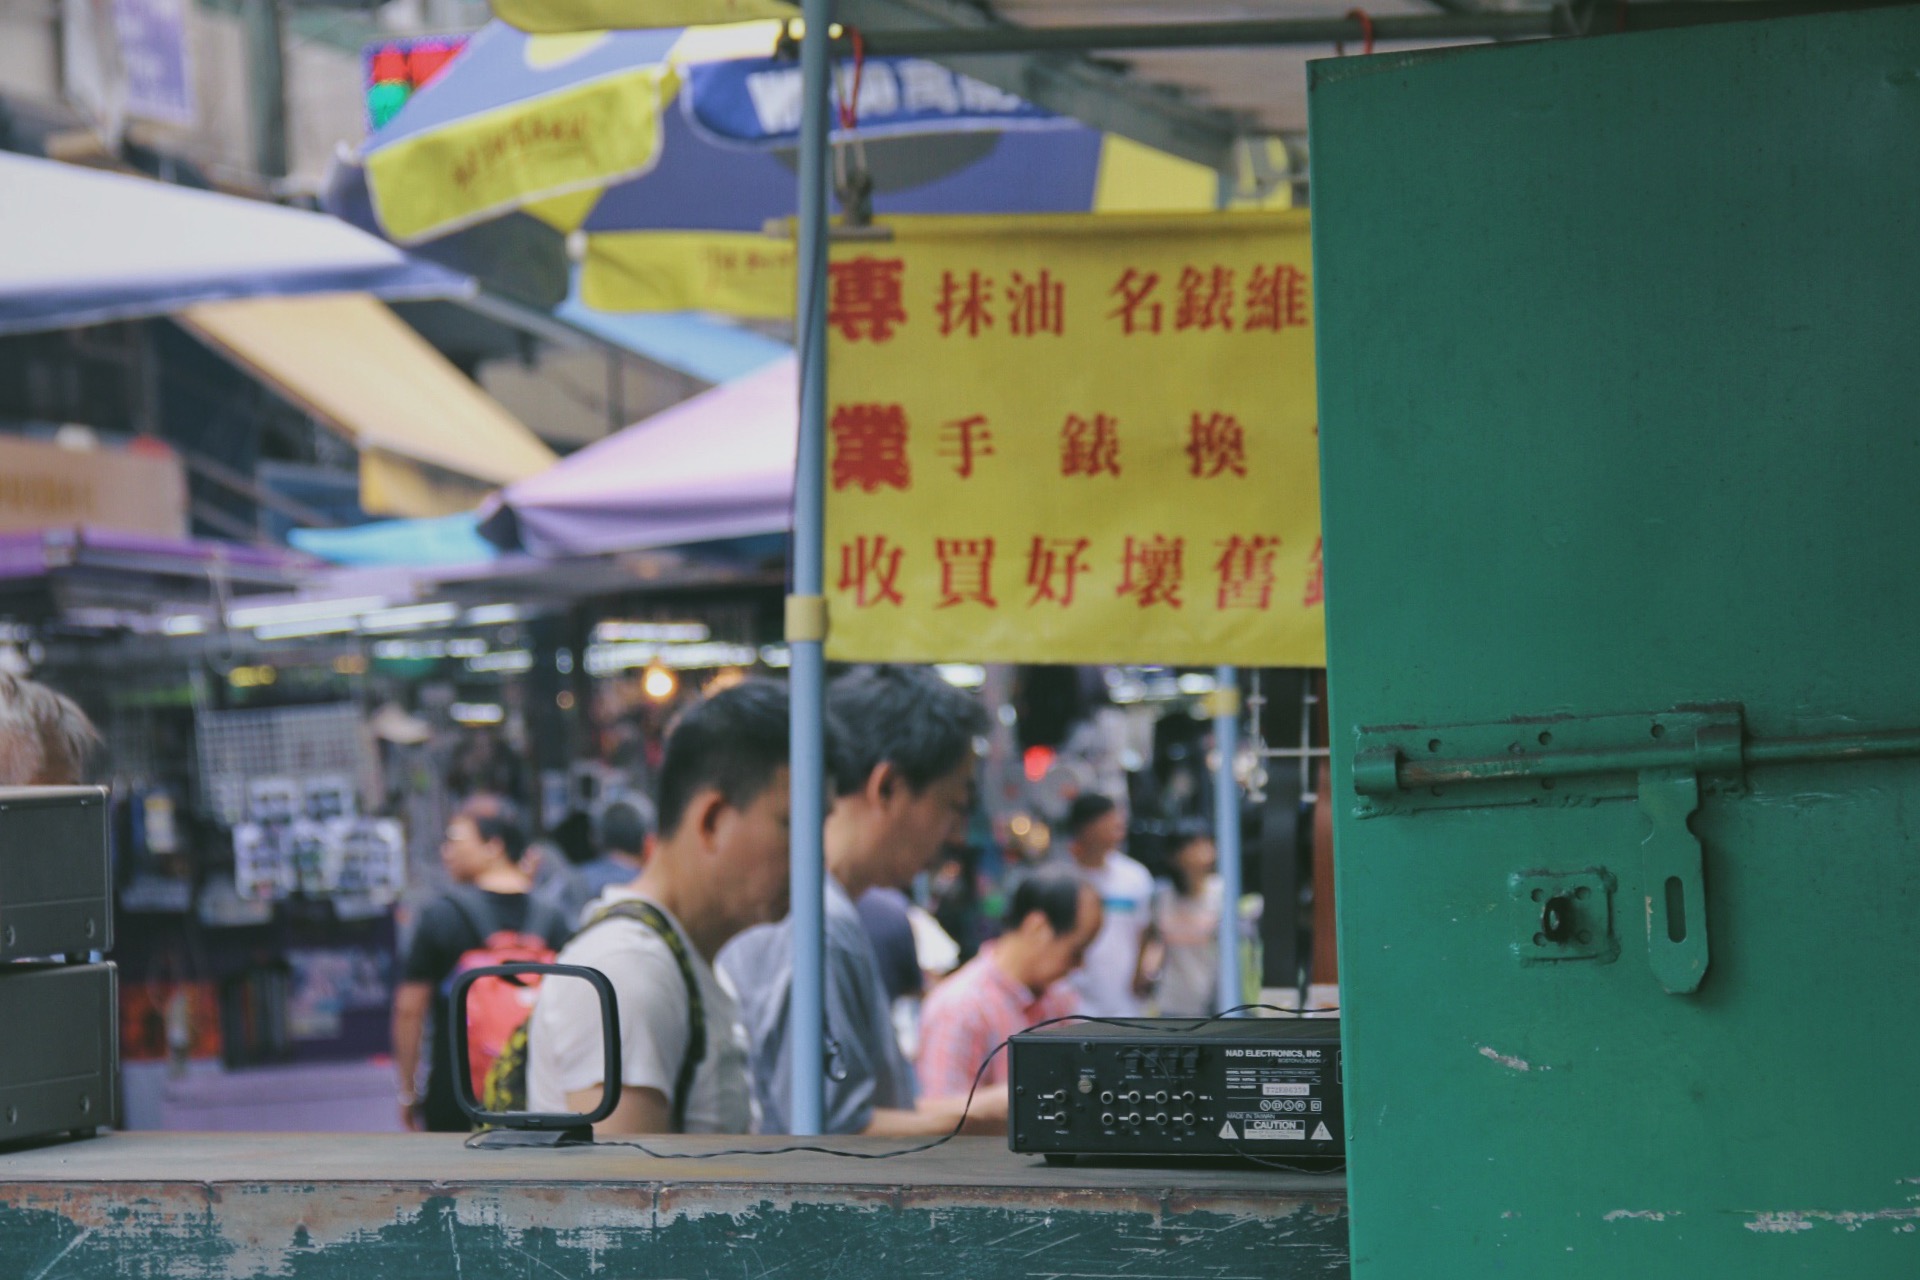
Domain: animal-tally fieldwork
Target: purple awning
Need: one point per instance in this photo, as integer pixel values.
(715, 467)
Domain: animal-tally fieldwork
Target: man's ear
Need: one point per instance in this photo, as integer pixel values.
(883, 783)
(704, 811)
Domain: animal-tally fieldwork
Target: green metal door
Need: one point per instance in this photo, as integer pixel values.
(1619, 345)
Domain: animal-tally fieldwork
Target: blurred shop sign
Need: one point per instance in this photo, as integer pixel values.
(45, 485)
(129, 59)
(1074, 439)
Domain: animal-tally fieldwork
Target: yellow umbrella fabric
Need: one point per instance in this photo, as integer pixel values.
(552, 16)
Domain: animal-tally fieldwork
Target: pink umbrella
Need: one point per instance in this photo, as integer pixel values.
(715, 467)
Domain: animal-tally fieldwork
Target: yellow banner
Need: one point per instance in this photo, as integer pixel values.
(1074, 439)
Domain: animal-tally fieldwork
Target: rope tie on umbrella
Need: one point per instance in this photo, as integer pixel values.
(1365, 20)
(853, 181)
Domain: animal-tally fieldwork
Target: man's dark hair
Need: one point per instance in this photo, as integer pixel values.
(904, 716)
(733, 741)
(497, 818)
(1087, 808)
(625, 826)
(1054, 894)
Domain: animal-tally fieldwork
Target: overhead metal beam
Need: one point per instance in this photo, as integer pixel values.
(1060, 80)
(985, 36)
(1005, 38)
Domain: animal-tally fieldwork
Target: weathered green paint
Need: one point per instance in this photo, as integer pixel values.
(1617, 384)
(459, 1215)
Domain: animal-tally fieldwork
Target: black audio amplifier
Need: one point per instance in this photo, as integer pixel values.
(60, 1064)
(56, 890)
(1266, 1087)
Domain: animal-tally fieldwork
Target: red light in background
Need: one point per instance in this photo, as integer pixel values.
(1036, 762)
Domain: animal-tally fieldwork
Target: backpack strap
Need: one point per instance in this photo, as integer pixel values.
(645, 913)
(476, 909)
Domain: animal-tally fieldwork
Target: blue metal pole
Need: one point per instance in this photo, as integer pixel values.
(807, 676)
(1226, 831)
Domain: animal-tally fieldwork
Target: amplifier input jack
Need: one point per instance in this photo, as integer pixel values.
(1187, 1119)
(1133, 1118)
(1106, 1119)
(1160, 1117)
(1106, 1097)
(1160, 1096)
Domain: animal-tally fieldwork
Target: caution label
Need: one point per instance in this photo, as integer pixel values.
(1321, 1133)
(1273, 1129)
(1226, 1131)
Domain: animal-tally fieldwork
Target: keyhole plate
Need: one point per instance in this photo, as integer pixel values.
(1559, 916)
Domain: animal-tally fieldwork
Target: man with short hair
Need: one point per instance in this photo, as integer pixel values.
(45, 739)
(1113, 980)
(719, 866)
(482, 854)
(1015, 982)
(626, 831)
(905, 788)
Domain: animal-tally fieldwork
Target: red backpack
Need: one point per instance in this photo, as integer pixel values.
(497, 1007)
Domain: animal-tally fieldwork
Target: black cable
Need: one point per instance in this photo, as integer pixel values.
(808, 1148)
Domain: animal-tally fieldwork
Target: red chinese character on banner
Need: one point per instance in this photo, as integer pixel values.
(1054, 566)
(1245, 568)
(1316, 592)
(1276, 298)
(1151, 570)
(1206, 299)
(870, 571)
(1215, 445)
(963, 304)
(866, 297)
(1090, 447)
(964, 440)
(1137, 312)
(966, 571)
(869, 446)
(1036, 306)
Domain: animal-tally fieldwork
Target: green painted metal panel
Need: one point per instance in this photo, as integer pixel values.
(421, 1207)
(1618, 387)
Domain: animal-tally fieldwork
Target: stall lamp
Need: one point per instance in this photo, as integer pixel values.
(303, 611)
(297, 630)
(659, 683)
(409, 617)
(477, 712)
(184, 624)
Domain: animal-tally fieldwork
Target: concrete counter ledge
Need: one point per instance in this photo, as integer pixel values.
(140, 1206)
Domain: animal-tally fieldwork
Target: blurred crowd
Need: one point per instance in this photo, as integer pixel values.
(680, 899)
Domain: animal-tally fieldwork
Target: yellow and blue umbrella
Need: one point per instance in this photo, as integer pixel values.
(670, 152)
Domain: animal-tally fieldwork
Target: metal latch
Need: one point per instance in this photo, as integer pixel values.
(1666, 760)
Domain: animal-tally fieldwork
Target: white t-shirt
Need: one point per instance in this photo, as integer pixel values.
(565, 1049)
(1105, 979)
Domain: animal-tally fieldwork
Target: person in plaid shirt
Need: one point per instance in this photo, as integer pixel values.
(1012, 984)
